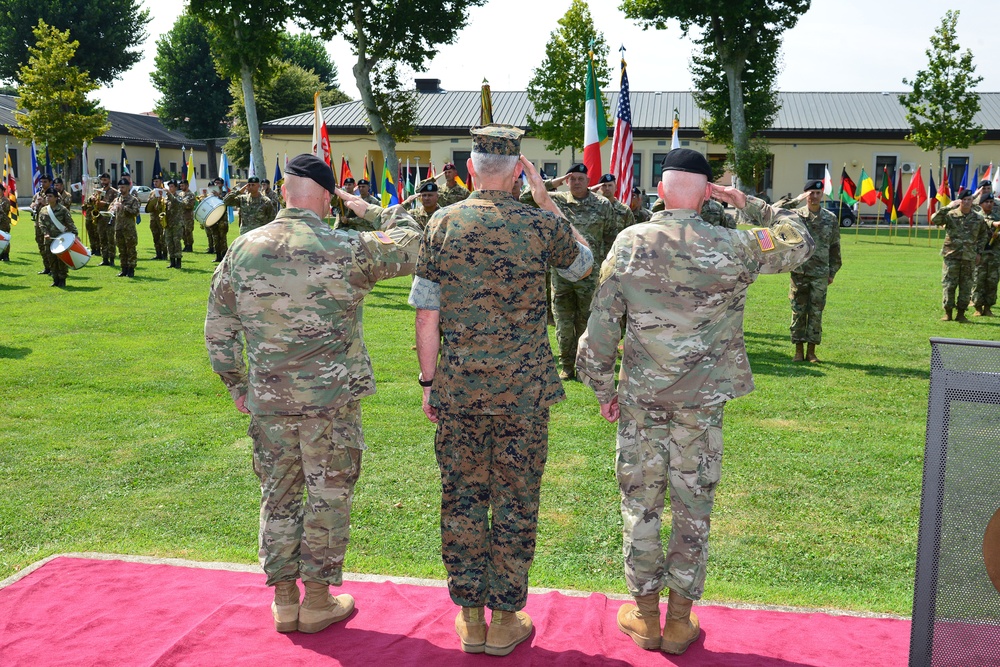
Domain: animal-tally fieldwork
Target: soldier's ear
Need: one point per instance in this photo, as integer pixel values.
(659, 189)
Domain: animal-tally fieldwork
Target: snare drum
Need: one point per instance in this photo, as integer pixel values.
(70, 250)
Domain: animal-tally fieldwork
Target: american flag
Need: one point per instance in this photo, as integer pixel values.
(621, 147)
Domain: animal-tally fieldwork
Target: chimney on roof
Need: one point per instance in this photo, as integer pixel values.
(428, 85)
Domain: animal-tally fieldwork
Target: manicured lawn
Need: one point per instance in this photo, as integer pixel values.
(116, 436)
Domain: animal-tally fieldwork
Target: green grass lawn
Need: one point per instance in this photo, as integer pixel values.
(116, 436)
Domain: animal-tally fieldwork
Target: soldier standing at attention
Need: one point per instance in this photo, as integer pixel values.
(4, 220)
(155, 206)
(123, 212)
(188, 213)
(270, 193)
(606, 188)
(219, 232)
(683, 358)
(91, 219)
(988, 271)
(176, 202)
(256, 210)
(489, 379)
(639, 212)
(55, 219)
(65, 198)
(452, 192)
(594, 217)
(104, 222)
(350, 220)
(37, 204)
(810, 280)
(964, 240)
(428, 193)
(299, 285)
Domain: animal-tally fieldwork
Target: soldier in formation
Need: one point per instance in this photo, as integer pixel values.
(428, 194)
(596, 220)
(188, 214)
(177, 203)
(488, 379)
(292, 275)
(606, 188)
(452, 192)
(683, 359)
(351, 220)
(38, 202)
(272, 194)
(155, 206)
(55, 219)
(964, 241)
(811, 279)
(65, 198)
(984, 296)
(256, 210)
(124, 211)
(218, 233)
(105, 224)
(639, 212)
(91, 217)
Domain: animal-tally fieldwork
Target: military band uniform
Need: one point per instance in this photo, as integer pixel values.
(173, 233)
(810, 280)
(157, 222)
(451, 195)
(59, 268)
(683, 358)
(987, 274)
(219, 234)
(106, 227)
(350, 220)
(66, 199)
(125, 211)
(964, 240)
(188, 215)
(5, 224)
(308, 370)
(91, 218)
(37, 204)
(255, 212)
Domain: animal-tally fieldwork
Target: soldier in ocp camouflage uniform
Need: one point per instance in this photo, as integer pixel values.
(606, 188)
(988, 272)
(428, 193)
(51, 229)
(37, 204)
(452, 192)
(272, 194)
(712, 212)
(595, 219)
(176, 203)
(479, 291)
(256, 210)
(155, 206)
(963, 242)
(682, 284)
(291, 290)
(810, 281)
(124, 211)
(350, 220)
(639, 212)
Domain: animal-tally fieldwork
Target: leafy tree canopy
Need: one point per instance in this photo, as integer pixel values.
(308, 52)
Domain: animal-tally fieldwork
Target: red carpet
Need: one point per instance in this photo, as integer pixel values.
(74, 611)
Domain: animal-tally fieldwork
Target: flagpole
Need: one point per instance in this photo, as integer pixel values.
(878, 205)
(840, 209)
(933, 194)
(857, 222)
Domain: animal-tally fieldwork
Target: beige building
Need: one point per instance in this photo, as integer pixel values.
(812, 132)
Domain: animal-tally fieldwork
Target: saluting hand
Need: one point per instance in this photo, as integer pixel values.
(353, 202)
(730, 195)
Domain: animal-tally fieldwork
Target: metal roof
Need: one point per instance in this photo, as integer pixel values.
(652, 112)
(132, 128)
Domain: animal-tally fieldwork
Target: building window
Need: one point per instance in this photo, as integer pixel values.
(204, 170)
(13, 160)
(138, 172)
(658, 159)
(816, 171)
(884, 164)
(173, 169)
(114, 173)
(461, 159)
(957, 166)
(231, 172)
(551, 169)
(637, 169)
(99, 164)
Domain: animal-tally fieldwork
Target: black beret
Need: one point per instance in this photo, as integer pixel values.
(687, 160)
(265, 182)
(429, 186)
(813, 184)
(985, 181)
(171, 182)
(253, 179)
(51, 192)
(58, 180)
(962, 194)
(309, 166)
(636, 190)
(105, 175)
(348, 180)
(986, 198)
(579, 168)
(607, 178)
(448, 165)
(183, 181)
(124, 181)
(364, 181)
(46, 177)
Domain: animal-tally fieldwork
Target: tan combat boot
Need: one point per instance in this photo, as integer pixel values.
(470, 624)
(947, 315)
(799, 354)
(978, 311)
(507, 630)
(641, 621)
(960, 317)
(285, 608)
(320, 609)
(987, 311)
(811, 353)
(682, 628)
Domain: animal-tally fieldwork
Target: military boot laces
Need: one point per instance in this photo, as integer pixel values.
(470, 624)
(320, 609)
(641, 621)
(507, 630)
(682, 627)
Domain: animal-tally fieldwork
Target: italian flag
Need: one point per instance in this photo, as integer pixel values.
(595, 126)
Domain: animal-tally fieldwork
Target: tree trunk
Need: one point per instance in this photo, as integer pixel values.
(362, 76)
(213, 163)
(741, 142)
(250, 103)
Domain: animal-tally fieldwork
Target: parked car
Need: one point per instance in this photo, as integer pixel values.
(142, 192)
(842, 211)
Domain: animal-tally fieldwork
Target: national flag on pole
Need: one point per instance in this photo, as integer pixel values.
(847, 189)
(886, 195)
(36, 175)
(85, 177)
(10, 184)
(321, 140)
(914, 198)
(675, 140)
(389, 195)
(827, 182)
(988, 173)
(192, 183)
(365, 175)
(430, 170)
(224, 170)
(944, 192)
(157, 169)
(897, 191)
(184, 162)
(964, 185)
(932, 202)
(125, 170)
(345, 170)
(621, 147)
(996, 181)
(974, 183)
(278, 178)
(409, 179)
(485, 104)
(595, 126)
(866, 191)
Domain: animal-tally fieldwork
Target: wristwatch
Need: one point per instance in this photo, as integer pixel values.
(422, 382)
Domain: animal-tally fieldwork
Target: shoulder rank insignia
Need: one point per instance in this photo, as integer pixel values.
(383, 237)
(764, 239)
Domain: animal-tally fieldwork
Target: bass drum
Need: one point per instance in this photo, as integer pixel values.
(209, 211)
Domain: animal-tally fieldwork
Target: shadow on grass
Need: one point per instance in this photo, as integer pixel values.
(76, 288)
(770, 361)
(148, 279)
(14, 352)
(5, 288)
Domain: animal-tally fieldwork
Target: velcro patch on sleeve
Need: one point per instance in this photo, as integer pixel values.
(384, 238)
(764, 239)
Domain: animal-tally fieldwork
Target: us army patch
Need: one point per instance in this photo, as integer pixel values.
(764, 239)
(383, 238)
(607, 268)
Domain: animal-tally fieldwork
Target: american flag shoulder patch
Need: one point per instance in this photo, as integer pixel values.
(383, 237)
(764, 239)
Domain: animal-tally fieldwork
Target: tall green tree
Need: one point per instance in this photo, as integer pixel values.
(246, 41)
(194, 100)
(558, 87)
(52, 106)
(732, 32)
(941, 108)
(385, 35)
(308, 52)
(110, 33)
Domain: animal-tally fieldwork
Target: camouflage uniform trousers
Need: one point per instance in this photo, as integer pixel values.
(106, 229)
(679, 451)
(808, 297)
(93, 233)
(60, 269)
(218, 236)
(320, 455)
(172, 237)
(957, 274)
(127, 238)
(210, 235)
(48, 259)
(5, 226)
(987, 277)
(156, 229)
(571, 308)
(490, 462)
(189, 230)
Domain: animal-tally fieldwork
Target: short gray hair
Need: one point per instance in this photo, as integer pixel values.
(490, 165)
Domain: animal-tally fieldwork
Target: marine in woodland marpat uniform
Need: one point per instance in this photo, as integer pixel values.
(965, 239)
(596, 220)
(811, 279)
(681, 284)
(38, 202)
(124, 212)
(55, 219)
(155, 206)
(176, 203)
(256, 210)
(489, 379)
(350, 219)
(291, 290)
(984, 295)
(452, 192)
(606, 188)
